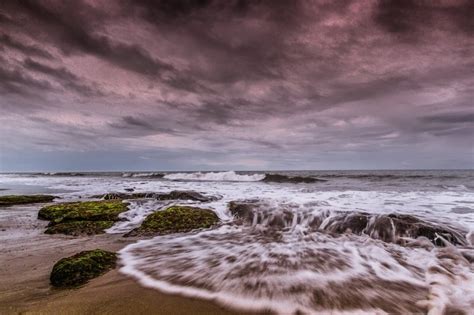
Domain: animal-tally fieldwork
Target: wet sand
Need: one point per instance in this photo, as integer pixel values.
(27, 257)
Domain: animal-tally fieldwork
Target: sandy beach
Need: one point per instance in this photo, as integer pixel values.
(27, 256)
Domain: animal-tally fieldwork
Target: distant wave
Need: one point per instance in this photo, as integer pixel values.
(72, 174)
(229, 176)
(277, 178)
(144, 175)
(389, 176)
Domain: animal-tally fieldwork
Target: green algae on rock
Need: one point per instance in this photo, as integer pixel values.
(80, 268)
(83, 211)
(11, 200)
(82, 218)
(77, 228)
(176, 219)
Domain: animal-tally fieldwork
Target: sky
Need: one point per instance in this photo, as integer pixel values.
(236, 85)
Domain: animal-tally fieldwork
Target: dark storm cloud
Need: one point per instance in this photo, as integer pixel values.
(411, 16)
(70, 25)
(203, 25)
(450, 118)
(238, 83)
(66, 78)
(130, 125)
(15, 81)
(31, 50)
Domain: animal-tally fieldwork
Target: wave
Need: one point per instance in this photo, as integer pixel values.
(143, 175)
(278, 178)
(381, 177)
(229, 176)
(232, 176)
(274, 261)
(71, 174)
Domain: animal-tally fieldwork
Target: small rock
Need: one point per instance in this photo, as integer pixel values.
(80, 268)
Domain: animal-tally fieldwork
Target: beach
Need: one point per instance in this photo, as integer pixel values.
(26, 263)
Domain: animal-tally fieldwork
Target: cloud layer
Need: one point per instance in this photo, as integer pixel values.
(197, 84)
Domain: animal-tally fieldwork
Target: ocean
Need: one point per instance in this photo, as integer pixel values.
(305, 241)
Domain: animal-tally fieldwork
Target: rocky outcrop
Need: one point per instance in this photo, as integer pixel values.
(11, 200)
(82, 218)
(80, 268)
(243, 211)
(176, 219)
(393, 228)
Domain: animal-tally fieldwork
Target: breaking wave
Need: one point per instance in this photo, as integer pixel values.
(290, 259)
(143, 175)
(229, 176)
(232, 176)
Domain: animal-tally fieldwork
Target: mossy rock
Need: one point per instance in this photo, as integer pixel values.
(83, 211)
(176, 219)
(80, 268)
(11, 200)
(82, 218)
(76, 228)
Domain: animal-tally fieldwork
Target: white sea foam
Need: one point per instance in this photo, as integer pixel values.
(249, 269)
(138, 211)
(229, 176)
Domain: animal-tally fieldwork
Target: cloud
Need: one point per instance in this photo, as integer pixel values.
(284, 84)
(411, 17)
(14, 81)
(450, 118)
(31, 50)
(66, 78)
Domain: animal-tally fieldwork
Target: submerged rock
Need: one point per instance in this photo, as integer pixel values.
(176, 219)
(393, 228)
(276, 178)
(78, 218)
(80, 268)
(184, 195)
(243, 210)
(11, 200)
(347, 222)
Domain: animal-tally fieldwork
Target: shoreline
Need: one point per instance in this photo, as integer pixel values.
(113, 293)
(27, 256)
